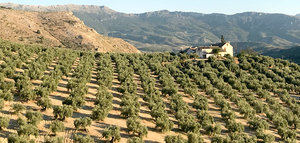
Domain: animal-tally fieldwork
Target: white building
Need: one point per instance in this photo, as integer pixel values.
(220, 49)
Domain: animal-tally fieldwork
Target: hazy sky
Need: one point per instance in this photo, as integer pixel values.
(290, 7)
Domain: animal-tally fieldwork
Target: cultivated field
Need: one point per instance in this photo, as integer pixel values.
(59, 95)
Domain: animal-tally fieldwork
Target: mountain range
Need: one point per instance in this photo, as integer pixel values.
(170, 31)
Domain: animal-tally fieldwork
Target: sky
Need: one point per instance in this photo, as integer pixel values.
(290, 7)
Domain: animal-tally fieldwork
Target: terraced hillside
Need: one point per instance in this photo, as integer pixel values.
(63, 95)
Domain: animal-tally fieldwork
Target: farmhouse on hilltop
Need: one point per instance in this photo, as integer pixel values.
(205, 52)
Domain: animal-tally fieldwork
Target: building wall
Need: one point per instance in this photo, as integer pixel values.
(228, 48)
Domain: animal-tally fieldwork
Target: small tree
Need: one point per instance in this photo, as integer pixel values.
(112, 133)
(1, 103)
(45, 103)
(57, 126)
(54, 139)
(83, 139)
(100, 112)
(17, 108)
(4, 122)
(194, 138)
(15, 138)
(33, 118)
(213, 130)
(62, 112)
(82, 123)
(135, 140)
(174, 139)
(28, 129)
(134, 125)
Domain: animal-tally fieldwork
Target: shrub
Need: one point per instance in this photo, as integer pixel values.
(287, 134)
(45, 103)
(174, 139)
(28, 129)
(33, 118)
(135, 140)
(4, 122)
(213, 130)
(83, 139)
(1, 103)
(258, 124)
(54, 140)
(100, 112)
(267, 138)
(200, 103)
(164, 123)
(219, 139)
(21, 121)
(57, 126)
(15, 138)
(233, 126)
(194, 138)
(187, 123)
(204, 118)
(112, 133)
(17, 108)
(62, 112)
(82, 123)
(134, 125)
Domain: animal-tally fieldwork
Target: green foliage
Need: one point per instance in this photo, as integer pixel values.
(28, 129)
(233, 126)
(4, 122)
(33, 117)
(54, 140)
(45, 103)
(1, 103)
(134, 125)
(174, 139)
(57, 126)
(17, 108)
(112, 133)
(200, 103)
(62, 112)
(213, 130)
(15, 138)
(82, 123)
(83, 139)
(135, 140)
(194, 138)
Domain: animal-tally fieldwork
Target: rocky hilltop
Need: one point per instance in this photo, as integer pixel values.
(58, 29)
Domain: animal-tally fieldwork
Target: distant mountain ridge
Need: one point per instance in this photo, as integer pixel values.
(167, 31)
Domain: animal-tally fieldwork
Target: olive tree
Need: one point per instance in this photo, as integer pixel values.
(28, 129)
(82, 123)
(83, 139)
(4, 122)
(174, 139)
(134, 125)
(17, 108)
(33, 117)
(112, 133)
(62, 112)
(57, 126)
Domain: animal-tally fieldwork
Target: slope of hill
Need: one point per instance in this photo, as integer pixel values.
(292, 54)
(165, 31)
(64, 95)
(59, 29)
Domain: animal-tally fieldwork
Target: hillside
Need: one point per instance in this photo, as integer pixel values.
(291, 54)
(64, 95)
(57, 29)
(167, 31)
